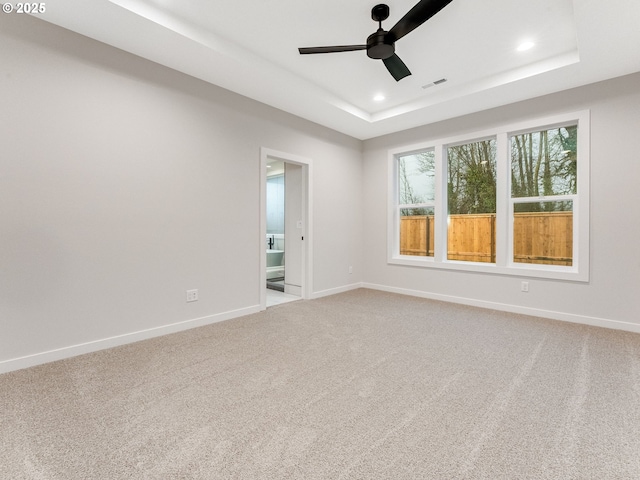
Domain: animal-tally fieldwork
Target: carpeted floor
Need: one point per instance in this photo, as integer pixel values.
(361, 385)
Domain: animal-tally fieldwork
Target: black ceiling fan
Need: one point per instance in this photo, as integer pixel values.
(381, 44)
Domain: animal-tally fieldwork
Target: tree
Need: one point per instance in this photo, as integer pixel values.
(407, 195)
(422, 163)
(471, 178)
(544, 164)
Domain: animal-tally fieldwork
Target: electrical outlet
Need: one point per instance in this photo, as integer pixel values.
(524, 287)
(192, 295)
(350, 269)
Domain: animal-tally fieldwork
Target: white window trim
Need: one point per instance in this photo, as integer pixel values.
(504, 265)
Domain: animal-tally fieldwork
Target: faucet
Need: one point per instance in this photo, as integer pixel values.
(271, 242)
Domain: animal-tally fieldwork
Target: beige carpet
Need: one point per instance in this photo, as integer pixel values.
(361, 385)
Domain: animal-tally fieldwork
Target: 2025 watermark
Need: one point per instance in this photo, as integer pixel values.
(32, 8)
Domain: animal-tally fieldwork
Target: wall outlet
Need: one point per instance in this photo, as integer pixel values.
(192, 295)
(524, 287)
(350, 269)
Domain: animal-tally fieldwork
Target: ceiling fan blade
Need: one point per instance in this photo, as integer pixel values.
(420, 13)
(340, 48)
(396, 67)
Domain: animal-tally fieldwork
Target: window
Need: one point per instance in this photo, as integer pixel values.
(471, 201)
(416, 200)
(543, 191)
(509, 201)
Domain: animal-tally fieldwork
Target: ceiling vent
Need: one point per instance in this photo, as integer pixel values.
(433, 84)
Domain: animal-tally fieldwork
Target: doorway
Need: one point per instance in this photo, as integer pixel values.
(277, 197)
(285, 219)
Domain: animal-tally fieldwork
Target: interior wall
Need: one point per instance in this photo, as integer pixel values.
(610, 298)
(124, 183)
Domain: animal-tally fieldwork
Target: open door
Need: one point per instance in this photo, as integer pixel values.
(298, 224)
(294, 229)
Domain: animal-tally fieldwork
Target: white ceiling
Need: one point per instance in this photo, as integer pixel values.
(250, 47)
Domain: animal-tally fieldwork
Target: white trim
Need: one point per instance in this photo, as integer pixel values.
(581, 228)
(262, 262)
(505, 307)
(503, 222)
(440, 230)
(105, 343)
(293, 290)
(307, 220)
(334, 291)
(552, 272)
(578, 272)
(393, 234)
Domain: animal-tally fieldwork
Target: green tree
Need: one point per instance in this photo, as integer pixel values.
(471, 178)
(544, 164)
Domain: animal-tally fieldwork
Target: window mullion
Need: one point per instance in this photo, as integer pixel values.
(544, 198)
(416, 205)
(440, 210)
(504, 226)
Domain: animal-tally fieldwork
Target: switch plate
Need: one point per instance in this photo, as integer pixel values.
(192, 295)
(524, 287)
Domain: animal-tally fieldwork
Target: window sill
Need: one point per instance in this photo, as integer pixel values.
(551, 272)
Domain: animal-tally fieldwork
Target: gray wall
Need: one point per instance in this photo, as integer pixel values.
(613, 293)
(124, 183)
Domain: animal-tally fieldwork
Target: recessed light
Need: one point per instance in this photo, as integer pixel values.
(525, 46)
(379, 98)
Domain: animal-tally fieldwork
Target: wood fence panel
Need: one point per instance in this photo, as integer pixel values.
(543, 238)
(471, 238)
(416, 235)
(539, 237)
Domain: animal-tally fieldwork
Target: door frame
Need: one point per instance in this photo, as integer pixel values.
(307, 220)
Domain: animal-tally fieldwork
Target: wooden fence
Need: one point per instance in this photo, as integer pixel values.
(539, 237)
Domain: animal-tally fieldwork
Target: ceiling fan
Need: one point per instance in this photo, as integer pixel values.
(381, 44)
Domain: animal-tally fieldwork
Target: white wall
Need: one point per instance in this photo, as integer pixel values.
(124, 183)
(612, 297)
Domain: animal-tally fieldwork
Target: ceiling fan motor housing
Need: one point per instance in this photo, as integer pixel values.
(377, 47)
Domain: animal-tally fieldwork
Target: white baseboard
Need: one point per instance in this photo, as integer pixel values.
(334, 291)
(293, 290)
(536, 312)
(75, 350)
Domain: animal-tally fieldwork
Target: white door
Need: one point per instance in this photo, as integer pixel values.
(293, 229)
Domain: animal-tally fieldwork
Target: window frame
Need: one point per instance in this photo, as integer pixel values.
(427, 204)
(504, 265)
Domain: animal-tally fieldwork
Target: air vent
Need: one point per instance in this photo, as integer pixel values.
(433, 84)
